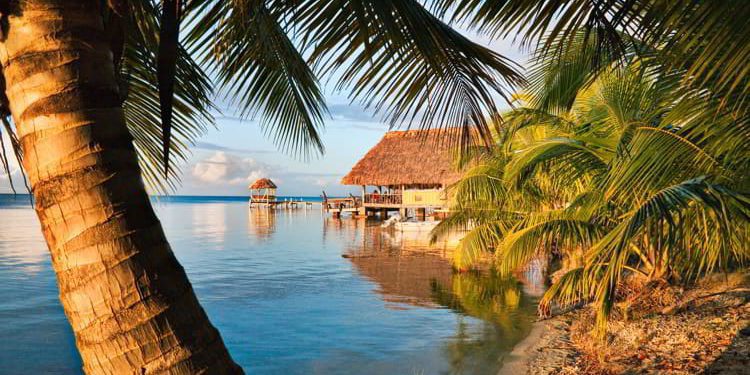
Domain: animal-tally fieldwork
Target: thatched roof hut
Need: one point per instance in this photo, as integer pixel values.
(263, 183)
(262, 192)
(407, 158)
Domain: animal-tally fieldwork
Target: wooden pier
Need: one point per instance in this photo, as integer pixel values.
(337, 206)
(263, 195)
(289, 204)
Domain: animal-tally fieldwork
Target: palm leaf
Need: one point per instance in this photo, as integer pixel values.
(261, 70)
(406, 64)
(142, 105)
(660, 215)
(552, 233)
(166, 66)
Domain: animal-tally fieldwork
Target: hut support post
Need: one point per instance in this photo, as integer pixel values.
(421, 213)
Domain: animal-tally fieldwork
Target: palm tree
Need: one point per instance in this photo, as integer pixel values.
(81, 84)
(638, 175)
(81, 81)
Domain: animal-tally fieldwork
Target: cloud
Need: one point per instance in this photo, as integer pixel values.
(377, 129)
(315, 174)
(226, 173)
(214, 147)
(350, 112)
(18, 183)
(223, 168)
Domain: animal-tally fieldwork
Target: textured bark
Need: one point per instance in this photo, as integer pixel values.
(127, 298)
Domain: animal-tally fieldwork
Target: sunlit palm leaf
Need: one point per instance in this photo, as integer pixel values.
(405, 63)
(660, 214)
(641, 172)
(554, 233)
(142, 106)
(571, 160)
(572, 288)
(261, 70)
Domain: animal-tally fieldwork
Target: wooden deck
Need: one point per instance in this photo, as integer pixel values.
(337, 206)
(282, 204)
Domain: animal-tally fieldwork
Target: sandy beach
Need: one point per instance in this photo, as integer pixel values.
(546, 349)
(705, 329)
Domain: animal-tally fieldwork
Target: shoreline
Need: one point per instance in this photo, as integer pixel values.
(705, 329)
(517, 361)
(546, 349)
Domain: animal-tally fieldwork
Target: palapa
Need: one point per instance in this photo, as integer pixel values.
(411, 157)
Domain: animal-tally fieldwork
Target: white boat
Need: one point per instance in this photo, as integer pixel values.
(415, 226)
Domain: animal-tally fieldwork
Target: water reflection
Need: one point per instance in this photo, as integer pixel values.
(494, 299)
(209, 222)
(365, 237)
(283, 298)
(32, 323)
(404, 279)
(487, 296)
(411, 273)
(22, 249)
(261, 223)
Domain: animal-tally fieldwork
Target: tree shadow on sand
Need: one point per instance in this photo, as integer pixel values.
(736, 358)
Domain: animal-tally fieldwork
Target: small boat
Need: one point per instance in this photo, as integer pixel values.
(415, 226)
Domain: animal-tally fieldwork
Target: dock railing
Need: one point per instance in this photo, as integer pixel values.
(341, 203)
(376, 198)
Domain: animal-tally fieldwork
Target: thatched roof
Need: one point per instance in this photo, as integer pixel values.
(407, 157)
(263, 183)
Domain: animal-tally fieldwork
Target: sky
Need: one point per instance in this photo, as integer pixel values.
(235, 153)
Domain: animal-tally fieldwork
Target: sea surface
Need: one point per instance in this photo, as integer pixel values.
(291, 291)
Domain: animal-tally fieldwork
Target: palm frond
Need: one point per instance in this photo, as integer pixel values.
(708, 39)
(142, 105)
(552, 233)
(572, 288)
(483, 182)
(406, 64)
(166, 66)
(640, 172)
(660, 215)
(567, 158)
(246, 43)
(476, 243)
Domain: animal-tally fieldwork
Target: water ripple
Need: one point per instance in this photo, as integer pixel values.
(284, 299)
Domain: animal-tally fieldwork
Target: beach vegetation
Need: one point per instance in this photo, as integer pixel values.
(629, 173)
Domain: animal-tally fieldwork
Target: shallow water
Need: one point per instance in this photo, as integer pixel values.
(285, 300)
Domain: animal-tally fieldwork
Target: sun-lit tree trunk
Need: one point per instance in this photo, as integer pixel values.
(127, 298)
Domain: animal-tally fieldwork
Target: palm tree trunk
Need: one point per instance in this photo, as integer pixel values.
(127, 298)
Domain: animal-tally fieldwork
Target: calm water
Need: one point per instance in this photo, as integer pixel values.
(284, 298)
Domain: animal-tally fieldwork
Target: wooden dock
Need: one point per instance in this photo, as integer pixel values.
(337, 206)
(286, 204)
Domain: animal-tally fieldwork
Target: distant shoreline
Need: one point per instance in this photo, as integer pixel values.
(11, 199)
(224, 197)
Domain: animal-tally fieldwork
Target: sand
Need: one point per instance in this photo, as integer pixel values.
(703, 330)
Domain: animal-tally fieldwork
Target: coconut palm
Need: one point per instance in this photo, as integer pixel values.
(639, 175)
(709, 40)
(103, 93)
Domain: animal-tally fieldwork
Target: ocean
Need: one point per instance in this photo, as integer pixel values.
(291, 291)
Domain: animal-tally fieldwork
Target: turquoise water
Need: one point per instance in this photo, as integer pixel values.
(284, 298)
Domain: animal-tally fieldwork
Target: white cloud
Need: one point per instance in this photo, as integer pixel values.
(225, 173)
(222, 168)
